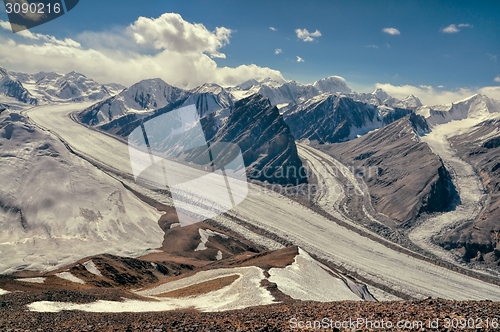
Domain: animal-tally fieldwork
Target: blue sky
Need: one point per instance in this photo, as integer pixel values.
(352, 42)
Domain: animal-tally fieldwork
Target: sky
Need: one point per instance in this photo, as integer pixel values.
(440, 51)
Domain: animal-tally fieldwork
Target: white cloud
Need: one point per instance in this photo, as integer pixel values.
(452, 28)
(167, 47)
(272, 28)
(371, 46)
(299, 59)
(171, 32)
(491, 91)
(391, 31)
(497, 79)
(278, 51)
(492, 57)
(306, 35)
(426, 93)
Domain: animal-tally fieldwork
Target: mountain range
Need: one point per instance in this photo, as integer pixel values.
(270, 121)
(53, 87)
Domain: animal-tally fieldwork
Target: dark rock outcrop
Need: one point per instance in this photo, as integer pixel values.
(265, 140)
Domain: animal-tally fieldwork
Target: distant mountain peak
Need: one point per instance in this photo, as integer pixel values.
(380, 94)
(332, 84)
(410, 101)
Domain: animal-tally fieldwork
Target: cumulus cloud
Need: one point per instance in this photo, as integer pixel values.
(171, 32)
(167, 47)
(391, 31)
(299, 59)
(497, 79)
(306, 35)
(452, 28)
(491, 91)
(278, 51)
(273, 29)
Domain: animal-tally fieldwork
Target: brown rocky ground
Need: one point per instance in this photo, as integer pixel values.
(277, 317)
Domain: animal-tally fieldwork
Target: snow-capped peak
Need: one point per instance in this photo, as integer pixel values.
(208, 88)
(409, 101)
(380, 94)
(476, 106)
(332, 84)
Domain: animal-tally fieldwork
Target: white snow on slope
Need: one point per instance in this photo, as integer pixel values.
(90, 266)
(3, 292)
(205, 234)
(307, 280)
(61, 208)
(37, 280)
(68, 276)
(242, 293)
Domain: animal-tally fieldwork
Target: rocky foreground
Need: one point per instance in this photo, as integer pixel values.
(424, 315)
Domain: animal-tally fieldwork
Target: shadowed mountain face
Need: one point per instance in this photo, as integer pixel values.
(265, 140)
(331, 119)
(268, 148)
(480, 240)
(11, 87)
(408, 178)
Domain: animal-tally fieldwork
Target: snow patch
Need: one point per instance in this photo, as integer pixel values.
(90, 266)
(219, 255)
(37, 280)
(68, 276)
(205, 234)
(295, 281)
(3, 292)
